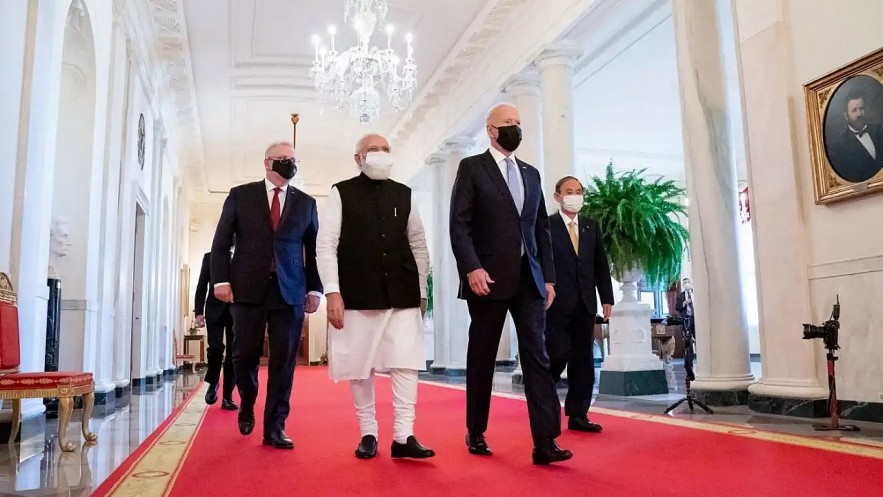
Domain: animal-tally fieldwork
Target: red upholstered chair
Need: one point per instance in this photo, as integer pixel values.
(15, 385)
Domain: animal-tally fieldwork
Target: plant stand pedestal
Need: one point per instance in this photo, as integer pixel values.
(631, 368)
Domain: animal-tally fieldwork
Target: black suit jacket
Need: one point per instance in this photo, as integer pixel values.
(579, 274)
(851, 160)
(246, 215)
(487, 232)
(205, 303)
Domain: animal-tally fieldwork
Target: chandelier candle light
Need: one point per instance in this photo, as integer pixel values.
(355, 78)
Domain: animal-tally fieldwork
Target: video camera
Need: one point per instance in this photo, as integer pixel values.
(828, 331)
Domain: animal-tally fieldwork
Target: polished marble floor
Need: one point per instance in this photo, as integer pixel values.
(36, 467)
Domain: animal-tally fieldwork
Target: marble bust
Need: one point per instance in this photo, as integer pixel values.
(59, 245)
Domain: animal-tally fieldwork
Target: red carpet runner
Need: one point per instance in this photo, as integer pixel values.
(630, 458)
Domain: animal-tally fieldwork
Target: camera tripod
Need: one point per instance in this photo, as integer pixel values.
(688, 366)
(833, 405)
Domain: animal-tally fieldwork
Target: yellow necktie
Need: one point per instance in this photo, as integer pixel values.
(574, 237)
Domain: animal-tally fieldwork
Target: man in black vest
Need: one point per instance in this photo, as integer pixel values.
(581, 269)
(215, 316)
(373, 262)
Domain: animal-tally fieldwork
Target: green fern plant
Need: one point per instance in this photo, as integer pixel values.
(429, 294)
(639, 222)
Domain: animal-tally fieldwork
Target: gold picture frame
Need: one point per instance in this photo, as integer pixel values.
(844, 164)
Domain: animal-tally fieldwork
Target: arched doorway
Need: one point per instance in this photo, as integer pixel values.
(71, 228)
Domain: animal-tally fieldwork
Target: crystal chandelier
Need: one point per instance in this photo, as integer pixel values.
(356, 78)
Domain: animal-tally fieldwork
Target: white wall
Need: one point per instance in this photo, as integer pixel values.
(61, 160)
(846, 244)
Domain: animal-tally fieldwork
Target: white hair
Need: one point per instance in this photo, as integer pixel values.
(364, 137)
(277, 144)
(493, 109)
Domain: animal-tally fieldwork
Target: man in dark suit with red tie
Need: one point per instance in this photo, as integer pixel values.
(215, 316)
(500, 239)
(270, 282)
(581, 269)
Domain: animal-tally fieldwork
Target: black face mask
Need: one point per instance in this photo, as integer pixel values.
(509, 137)
(285, 168)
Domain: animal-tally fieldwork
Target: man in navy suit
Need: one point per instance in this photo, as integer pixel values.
(581, 269)
(215, 316)
(267, 283)
(500, 239)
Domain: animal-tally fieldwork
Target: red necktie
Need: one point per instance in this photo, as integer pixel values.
(275, 211)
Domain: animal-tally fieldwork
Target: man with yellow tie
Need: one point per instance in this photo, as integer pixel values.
(581, 269)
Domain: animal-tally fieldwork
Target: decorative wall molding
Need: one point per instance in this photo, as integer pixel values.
(486, 27)
(171, 32)
(848, 267)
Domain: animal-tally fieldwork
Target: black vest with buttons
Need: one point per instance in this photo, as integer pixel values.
(376, 267)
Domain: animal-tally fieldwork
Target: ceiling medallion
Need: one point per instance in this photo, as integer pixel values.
(356, 78)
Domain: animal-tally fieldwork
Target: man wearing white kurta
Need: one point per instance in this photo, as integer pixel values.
(373, 262)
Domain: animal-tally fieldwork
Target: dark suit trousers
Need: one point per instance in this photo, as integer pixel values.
(569, 341)
(488, 317)
(218, 332)
(283, 324)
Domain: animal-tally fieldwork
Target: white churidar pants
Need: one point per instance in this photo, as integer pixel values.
(404, 399)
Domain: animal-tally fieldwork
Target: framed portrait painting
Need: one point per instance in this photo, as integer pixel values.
(845, 114)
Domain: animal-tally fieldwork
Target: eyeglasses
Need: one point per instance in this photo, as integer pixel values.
(296, 161)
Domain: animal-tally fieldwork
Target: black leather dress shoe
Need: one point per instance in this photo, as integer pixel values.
(278, 440)
(477, 445)
(582, 424)
(246, 423)
(548, 452)
(211, 395)
(228, 405)
(367, 447)
(412, 449)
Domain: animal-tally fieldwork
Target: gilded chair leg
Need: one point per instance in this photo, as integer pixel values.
(65, 408)
(16, 420)
(88, 404)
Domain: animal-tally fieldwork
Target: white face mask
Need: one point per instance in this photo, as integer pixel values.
(572, 203)
(377, 165)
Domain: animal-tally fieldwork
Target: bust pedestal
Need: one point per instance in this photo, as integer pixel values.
(53, 328)
(631, 368)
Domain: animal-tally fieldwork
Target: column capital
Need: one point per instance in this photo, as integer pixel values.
(562, 53)
(522, 84)
(436, 159)
(459, 145)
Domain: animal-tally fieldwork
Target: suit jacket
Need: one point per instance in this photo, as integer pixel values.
(246, 215)
(206, 304)
(579, 274)
(487, 231)
(851, 159)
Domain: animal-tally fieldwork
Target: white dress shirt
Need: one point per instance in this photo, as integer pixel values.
(327, 240)
(866, 141)
(282, 194)
(500, 159)
(567, 220)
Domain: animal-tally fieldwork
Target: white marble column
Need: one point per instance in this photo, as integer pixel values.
(791, 367)
(556, 83)
(721, 329)
(442, 289)
(525, 92)
(456, 313)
